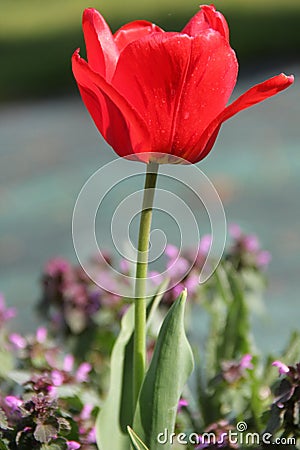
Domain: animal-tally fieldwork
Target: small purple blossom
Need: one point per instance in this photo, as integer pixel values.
(263, 259)
(235, 231)
(178, 267)
(57, 266)
(251, 243)
(41, 335)
(182, 403)
(91, 437)
(68, 363)
(6, 314)
(57, 378)
(18, 341)
(282, 368)
(13, 402)
(82, 372)
(156, 277)
(86, 411)
(73, 445)
(205, 244)
(245, 362)
(125, 266)
(171, 251)
(246, 251)
(233, 371)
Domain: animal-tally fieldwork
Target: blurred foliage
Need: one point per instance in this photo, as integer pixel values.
(54, 381)
(37, 38)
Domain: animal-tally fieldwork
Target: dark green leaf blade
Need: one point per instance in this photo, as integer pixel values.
(171, 365)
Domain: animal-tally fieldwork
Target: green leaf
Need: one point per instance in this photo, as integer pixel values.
(171, 365)
(59, 444)
(236, 337)
(45, 431)
(108, 428)
(6, 363)
(136, 441)
(3, 420)
(3, 445)
(64, 425)
(117, 411)
(155, 301)
(19, 376)
(291, 354)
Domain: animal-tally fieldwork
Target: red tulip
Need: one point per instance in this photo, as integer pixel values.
(153, 91)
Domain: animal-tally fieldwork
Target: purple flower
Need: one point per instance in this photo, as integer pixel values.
(68, 363)
(245, 362)
(178, 267)
(6, 314)
(171, 251)
(156, 277)
(91, 437)
(82, 372)
(18, 341)
(192, 283)
(282, 368)
(233, 371)
(57, 377)
(41, 335)
(182, 402)
(73, 445)
(263, 258)
(235, 231)
(246, 251)
(251, 243)
(205, 244)
(86, 411)
(125, 266)
(13, 402)
(57, 266)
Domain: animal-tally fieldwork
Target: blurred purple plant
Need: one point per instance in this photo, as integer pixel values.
(233, 371)
(285, 411)
(245, 251)
(33, 422)
(6, 314)
(72, 302)
(221, 432)
(69, 298)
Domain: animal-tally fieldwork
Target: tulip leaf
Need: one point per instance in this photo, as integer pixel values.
(109, 433)
(171, 365)
(136, 441)
(236, 339)
(117, 411)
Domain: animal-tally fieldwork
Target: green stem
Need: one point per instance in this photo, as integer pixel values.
(139, 355)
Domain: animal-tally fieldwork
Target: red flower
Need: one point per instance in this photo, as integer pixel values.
(160, 92)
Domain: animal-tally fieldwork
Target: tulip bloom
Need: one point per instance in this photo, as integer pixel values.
(151, 91)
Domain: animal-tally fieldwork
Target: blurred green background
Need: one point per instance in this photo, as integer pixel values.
(37, 37)
(49, 145)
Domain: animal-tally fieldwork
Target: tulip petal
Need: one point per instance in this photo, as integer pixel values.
(255, 95)
(207, 18)
(133, 31)
(102, 53)
(192, 86)
(118, 122)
